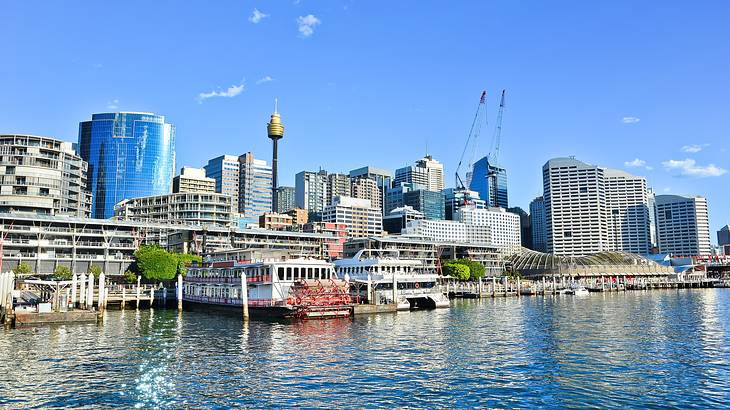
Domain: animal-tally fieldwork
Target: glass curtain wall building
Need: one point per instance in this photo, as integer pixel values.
(130, 155)
(491, 183)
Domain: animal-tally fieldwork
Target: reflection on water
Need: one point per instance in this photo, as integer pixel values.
(634, 349)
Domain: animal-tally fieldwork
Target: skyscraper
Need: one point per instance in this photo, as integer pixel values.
(275, 130)
(538, 224)
(254, 187)
(627, 204)
(723, 236)
(683, 225)
(431, 203)
(427, 172)
(491, 183)
(311, 192)
(455, 198)
(366, 188)
(130, 155)
(224, 170)
(285, 199)
(382, 177)
(337, 185)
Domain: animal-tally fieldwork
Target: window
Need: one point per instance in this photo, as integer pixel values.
(567, 234)
(281, 273)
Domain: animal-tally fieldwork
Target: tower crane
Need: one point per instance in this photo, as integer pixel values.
(497, 139)
(479, 117)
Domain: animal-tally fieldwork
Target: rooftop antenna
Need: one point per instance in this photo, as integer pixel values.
(276, 105)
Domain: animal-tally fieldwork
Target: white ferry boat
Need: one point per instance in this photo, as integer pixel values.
(303, 288)
(382, 279)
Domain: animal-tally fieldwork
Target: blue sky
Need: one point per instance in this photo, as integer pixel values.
(641, 86)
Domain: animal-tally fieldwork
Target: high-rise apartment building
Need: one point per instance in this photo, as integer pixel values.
(195, 208)
(254, 187)
(42, 175)
(337, 185)
(130, 155)
(360, 217)
(366, 188)
(285, 199)
(525, 226)
(538, 224)
(575, 207)
(491, 183)
(311, 192)
(683, 225)
(383, 178)
(224, 170)
(627, 202)
(427, 172)
(192, 180)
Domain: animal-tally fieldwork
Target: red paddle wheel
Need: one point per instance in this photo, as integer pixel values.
(313, 299)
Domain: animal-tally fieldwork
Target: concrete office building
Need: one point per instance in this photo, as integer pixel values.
(366, 188)
(504, 227)
(41, 175)
(627, 202)
(683, 225)
(190, 208)
(130, 155)
(192, 180)
(361, 218)
(426, 172)
(538, 224)
(286, 199)
(225, 170)
(254, 187)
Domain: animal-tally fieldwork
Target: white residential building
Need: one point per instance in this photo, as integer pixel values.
(360, 217)
(192, 180)
(310, 191)
(683, 227)
(427, 172)
(255, 180)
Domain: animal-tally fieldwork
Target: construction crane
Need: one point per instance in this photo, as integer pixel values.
(476, 126)
(497, 139)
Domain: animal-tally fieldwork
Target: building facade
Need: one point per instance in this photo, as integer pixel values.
(192, 180)
(366, 188)
(448, 231)
(426, 172)
(490, 181)
(198, 208)
(286, 199)
(575, 207)
(254, 187)
(41, 175)
(683, 225)
(723, 236)
(399, 218)
(504, 227)
(360, 217)
(382, 177)
(275, 221)
(627, 202)
(538, 224)
(337, 185)
(311, 192)
(431, 203)
(225, 170)
(455, 198)
(130, 155)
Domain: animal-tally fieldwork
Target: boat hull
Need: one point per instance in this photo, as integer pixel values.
(273, 312)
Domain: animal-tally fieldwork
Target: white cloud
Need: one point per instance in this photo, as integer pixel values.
(630, 120)
(231, 91)
(98, 65)
(257, 16)
(667, 189)
(693, 149)
(264, 79)
(306, 24)
(638, 163)
(113, 104)
(689, 168)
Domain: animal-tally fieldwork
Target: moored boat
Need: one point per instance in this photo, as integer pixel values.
(304, 288)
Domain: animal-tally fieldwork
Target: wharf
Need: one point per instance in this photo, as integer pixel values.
(373, 309)
(33, 318)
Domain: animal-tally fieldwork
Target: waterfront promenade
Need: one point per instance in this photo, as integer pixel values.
(661, 348)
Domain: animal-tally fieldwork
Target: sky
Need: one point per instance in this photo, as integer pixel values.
(639, 86)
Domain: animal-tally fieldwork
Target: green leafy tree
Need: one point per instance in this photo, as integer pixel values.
(62, 273)
(456, 270)
(130, 277)
(22, 269)
(155, 263)
(95, 270)
(476, 269)
(184, 260)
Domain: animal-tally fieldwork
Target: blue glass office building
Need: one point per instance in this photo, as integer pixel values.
(130, 155)
(491, 183)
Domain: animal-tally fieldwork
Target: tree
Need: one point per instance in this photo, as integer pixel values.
(62, 273)
(456, 270)
(130, 277)
(184, 260)
(22, 269)
(476, 269)
(155, 263)
(95, 270)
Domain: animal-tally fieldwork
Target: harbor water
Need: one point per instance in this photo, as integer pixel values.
(660, 349)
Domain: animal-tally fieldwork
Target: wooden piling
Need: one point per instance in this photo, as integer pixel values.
(139, 281)
(74, 284)
(102, 291)
(180, 292)
(244, 294)
(90, 292)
